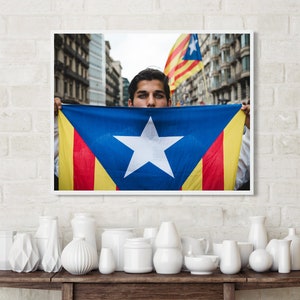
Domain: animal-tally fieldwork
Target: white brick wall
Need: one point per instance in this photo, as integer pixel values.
(25, 28)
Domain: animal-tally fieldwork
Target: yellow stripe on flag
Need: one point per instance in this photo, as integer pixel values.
(102, 180)
(194, 181)
(65, 153)
(232, 145)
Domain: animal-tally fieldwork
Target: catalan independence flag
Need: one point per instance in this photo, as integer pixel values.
(184, 60)
(128, 148)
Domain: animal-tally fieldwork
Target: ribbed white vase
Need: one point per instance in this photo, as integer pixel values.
(79, 257)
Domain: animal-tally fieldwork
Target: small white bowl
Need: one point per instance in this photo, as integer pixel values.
(201, 264)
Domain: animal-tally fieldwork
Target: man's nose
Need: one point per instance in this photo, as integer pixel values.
(151, 101)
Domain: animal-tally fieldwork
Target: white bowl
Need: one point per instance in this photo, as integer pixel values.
(201, 264)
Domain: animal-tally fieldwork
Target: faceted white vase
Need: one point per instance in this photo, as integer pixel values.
(51, 261)
(79, 257)
(42, 235)
(24, 254)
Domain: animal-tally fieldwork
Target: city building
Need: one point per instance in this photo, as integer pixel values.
(71, 64)
(225, 76)
(113, 79)
(125, 91)
(96, 74)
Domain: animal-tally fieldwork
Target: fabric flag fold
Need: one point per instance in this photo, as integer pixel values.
(184, 60)
(122, 148)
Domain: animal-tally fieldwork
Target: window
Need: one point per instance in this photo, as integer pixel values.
(245, 40)
(246, 63)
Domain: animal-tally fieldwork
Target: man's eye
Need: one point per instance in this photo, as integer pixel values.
(159, 96)
(142, 96)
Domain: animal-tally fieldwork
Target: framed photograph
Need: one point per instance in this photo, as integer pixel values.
(163, 112)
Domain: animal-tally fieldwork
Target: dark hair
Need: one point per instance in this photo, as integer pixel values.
(149, 74)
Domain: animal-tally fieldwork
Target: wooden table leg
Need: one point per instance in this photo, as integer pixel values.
(229, 291)
(67, 291)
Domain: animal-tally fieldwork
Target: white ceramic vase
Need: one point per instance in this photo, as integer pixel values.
(260, 260)
(284, 256)
(167, 236)
(51, 260)
(272, 248)
(231, 259)
(84, 226)
(79, 257)
(115, 238)
(258, 234)
(295, 248)
(6, 242)
(168, 260)
(42, 235)
(24, 254)
(107, 263)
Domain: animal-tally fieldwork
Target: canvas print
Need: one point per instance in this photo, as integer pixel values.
(165, 112)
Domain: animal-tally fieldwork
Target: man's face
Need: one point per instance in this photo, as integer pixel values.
(149, 93)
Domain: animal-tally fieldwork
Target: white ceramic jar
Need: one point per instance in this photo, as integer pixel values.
(115, 238)
(137, 255)
(6, 241)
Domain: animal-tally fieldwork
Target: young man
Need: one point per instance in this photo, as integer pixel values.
(150, 88)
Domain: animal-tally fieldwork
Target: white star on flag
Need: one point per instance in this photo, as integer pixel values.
(149, 147)
(192, 45)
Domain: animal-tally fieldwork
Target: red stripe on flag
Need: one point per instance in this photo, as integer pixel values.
(213, 166)
(177, 49)
(84, 164)
(189, 69)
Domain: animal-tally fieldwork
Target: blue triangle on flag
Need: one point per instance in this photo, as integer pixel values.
(193, 50)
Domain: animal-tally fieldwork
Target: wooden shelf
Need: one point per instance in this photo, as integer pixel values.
(121, 285)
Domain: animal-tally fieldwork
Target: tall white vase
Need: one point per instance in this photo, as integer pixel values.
(258, 234)
(51, 261)
(24, 254)
(231, 259)
(294, 248)
(168, 257)
(84, 226)
(167, 236)
(284, 257)
(42, 235)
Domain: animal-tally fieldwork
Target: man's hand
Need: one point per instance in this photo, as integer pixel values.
(57, 105)
(246, 109)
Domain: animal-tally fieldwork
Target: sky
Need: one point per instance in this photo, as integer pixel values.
(137, 51)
